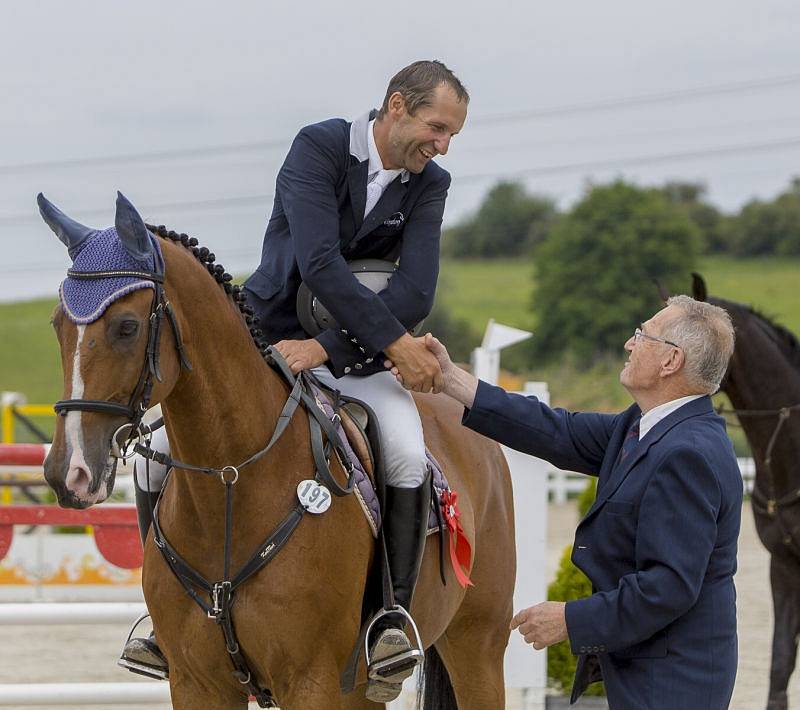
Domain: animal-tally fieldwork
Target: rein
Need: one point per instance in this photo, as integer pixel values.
(324, 439)
(770, 504)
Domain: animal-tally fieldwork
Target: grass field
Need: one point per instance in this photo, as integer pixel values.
(471, 290)
(503, 289)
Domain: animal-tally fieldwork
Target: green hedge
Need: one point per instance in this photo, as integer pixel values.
(570, 583)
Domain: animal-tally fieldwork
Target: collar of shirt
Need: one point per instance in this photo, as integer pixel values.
(362, 145)
(656, 414)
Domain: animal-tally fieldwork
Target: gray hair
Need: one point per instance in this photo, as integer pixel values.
(418, 81)
(705, 333)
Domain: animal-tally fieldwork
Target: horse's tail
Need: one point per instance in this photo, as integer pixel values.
(435, 692)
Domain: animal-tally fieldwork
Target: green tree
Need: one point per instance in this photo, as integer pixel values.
(690, 197)
(767, 228)
(595, 271)
(508, 223)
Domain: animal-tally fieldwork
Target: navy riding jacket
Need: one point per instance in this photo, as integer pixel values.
(318, 224)
(659, 546)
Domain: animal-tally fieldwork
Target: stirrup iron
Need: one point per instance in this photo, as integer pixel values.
(158, 673)
(379, 670)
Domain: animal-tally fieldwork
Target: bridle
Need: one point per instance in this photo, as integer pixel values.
(139, 401)
(769, 503)
(134, 436)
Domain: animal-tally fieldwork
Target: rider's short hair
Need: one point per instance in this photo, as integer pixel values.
(417, 83)
(705, 333)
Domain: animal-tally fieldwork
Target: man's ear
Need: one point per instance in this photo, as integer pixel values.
(673, 362)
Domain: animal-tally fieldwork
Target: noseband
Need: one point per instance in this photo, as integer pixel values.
(139, 401)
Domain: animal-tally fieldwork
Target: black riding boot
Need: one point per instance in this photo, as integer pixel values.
(142, 655)
(392, 656)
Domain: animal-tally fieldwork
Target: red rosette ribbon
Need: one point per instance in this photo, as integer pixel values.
(460, 549)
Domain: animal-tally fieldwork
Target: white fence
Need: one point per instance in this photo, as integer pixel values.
(563, 484)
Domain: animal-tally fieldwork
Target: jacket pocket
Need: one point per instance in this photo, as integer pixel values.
(262, 285)
(619, 507)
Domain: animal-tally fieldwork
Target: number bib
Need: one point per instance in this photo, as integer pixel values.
(314, 496)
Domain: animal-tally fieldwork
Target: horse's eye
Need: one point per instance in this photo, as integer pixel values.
(128, 328)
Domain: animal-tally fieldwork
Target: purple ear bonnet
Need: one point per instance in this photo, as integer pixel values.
(85, 300)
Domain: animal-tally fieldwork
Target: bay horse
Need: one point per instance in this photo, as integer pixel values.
(763, 385)
(297, 619)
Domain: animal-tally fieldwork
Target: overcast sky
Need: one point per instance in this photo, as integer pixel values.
(559, 97)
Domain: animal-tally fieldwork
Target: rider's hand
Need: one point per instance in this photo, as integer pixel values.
(415, 367)
(301, 354)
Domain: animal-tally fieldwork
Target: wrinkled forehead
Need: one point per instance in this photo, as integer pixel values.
(85, 300)
(661, 319)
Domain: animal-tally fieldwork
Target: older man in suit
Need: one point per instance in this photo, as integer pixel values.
(659, 544)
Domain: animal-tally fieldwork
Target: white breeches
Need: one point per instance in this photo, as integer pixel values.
(400, 426)
(401, 429)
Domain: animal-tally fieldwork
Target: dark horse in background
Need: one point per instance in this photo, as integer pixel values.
(763, 384)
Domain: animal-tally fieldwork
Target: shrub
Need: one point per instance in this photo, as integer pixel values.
(570, 583)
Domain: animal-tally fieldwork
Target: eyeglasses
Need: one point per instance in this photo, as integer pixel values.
(639, 334)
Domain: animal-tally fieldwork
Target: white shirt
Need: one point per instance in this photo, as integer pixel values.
(378, 178)
(656, 414)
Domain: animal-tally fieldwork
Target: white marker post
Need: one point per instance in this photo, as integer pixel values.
(525, 668)
(485, 360)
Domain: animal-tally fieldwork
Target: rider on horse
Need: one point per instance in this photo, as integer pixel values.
(362, 190)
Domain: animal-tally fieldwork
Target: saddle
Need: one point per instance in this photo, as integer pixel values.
(359, 434)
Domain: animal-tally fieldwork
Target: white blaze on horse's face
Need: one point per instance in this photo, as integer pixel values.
(79, 475)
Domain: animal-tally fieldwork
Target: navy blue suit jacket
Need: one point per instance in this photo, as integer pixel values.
(318, 224)
(659, 546)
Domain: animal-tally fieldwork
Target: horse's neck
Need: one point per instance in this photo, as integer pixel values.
(221, 412)
(766, 384)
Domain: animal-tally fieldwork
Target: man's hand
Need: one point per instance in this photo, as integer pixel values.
(301, 354)
(543, 624)
(414, 365)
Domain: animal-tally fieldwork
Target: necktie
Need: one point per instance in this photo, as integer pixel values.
(631, 439)
(376, 187)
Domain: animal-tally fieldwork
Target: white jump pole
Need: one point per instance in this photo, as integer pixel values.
(83, 694)
(47, 614)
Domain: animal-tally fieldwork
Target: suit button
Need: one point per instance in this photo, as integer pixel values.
(346, 370)
(583, 649)
(358, 366)
(345, 332)
(596, 649)
(602, 649)
(368, 360)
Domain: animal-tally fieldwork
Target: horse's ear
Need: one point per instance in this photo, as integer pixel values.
(131, 230)
(663, 294)
(698, 287)
(72, 233)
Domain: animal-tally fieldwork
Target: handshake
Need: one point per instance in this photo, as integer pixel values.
(424, 365)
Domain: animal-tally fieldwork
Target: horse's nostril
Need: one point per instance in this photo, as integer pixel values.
(79, 478)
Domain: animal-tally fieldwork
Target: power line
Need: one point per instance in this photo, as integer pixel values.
(239, 201)
(563, 110)
(265, 199)
(625, 102)
(765, 146)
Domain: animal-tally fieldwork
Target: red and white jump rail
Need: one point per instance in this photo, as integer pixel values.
(116, 531)
(22, 458)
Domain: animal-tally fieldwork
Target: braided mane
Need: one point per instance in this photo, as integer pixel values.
(207, 258)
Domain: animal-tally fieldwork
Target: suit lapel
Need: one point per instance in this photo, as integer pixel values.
(390, 200)
(621, 469)
(357, 186)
